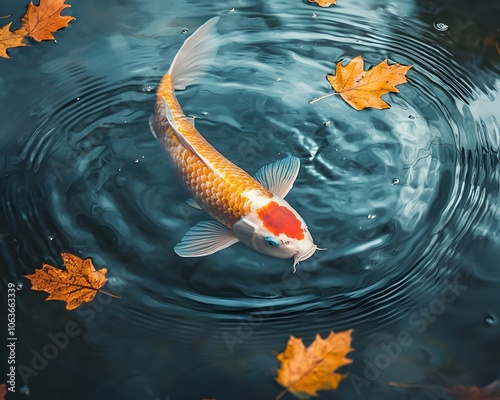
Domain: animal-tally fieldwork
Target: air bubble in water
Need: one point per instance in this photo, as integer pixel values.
(490, 320)
(440, 26)
(395, 181)
(25, 390)
(184, 31)
(19, 285)
(204, 113)
(328, 123)
(372, 216)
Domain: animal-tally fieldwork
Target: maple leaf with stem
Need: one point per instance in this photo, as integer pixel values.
(76, 285)
(362, 89)
(324, 3)
(9, 39)
(304, 371)
(43, 20)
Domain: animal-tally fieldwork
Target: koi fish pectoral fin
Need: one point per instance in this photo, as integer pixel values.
(279, 176)
(205, 238)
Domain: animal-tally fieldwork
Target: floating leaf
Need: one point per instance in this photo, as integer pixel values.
(324, 3)
(78, 284)
(362, 89)
(42, 20)
(9, 39)
(304, 371)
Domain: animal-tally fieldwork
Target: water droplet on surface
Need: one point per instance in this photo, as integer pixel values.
(490, 320)
(184, 31)
(395, 181)
(19, 285)
(440, 26)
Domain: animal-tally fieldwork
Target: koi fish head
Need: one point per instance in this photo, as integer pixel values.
(277, 230)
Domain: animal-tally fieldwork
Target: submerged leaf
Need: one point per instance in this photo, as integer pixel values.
(304, 371)
(3, 391)
(490, 392)
(78, 284)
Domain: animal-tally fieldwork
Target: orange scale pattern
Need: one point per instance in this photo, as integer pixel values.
(220, 192)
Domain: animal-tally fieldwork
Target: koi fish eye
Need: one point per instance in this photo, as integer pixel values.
(271, 241)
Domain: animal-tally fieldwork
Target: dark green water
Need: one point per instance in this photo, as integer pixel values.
(405, 199)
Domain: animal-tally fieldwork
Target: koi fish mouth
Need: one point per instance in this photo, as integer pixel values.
(298, 258)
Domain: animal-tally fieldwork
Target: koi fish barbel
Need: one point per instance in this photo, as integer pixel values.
(244, 208)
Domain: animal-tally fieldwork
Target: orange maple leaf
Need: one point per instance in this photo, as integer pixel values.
(304, 371)
(42, 20)
(324, 3)
(9, 39)
(362, 89)
(78, 284)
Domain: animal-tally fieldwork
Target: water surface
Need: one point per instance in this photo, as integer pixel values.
(405, 200)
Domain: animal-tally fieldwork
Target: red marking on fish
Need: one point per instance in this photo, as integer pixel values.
(279, 219)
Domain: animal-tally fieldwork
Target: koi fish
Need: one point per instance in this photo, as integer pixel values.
(244, 208)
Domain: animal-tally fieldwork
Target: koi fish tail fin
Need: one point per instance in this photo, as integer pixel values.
(195, 55)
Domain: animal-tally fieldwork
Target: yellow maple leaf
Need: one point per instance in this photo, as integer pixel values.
(304, 371)
(362, 89)
(10, 39)
(76, 285)
(324, 3)
(42, 20)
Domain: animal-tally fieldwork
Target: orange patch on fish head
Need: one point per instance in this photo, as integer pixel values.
(279, 219)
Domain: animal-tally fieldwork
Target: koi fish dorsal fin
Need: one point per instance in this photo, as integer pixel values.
(197, 52)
